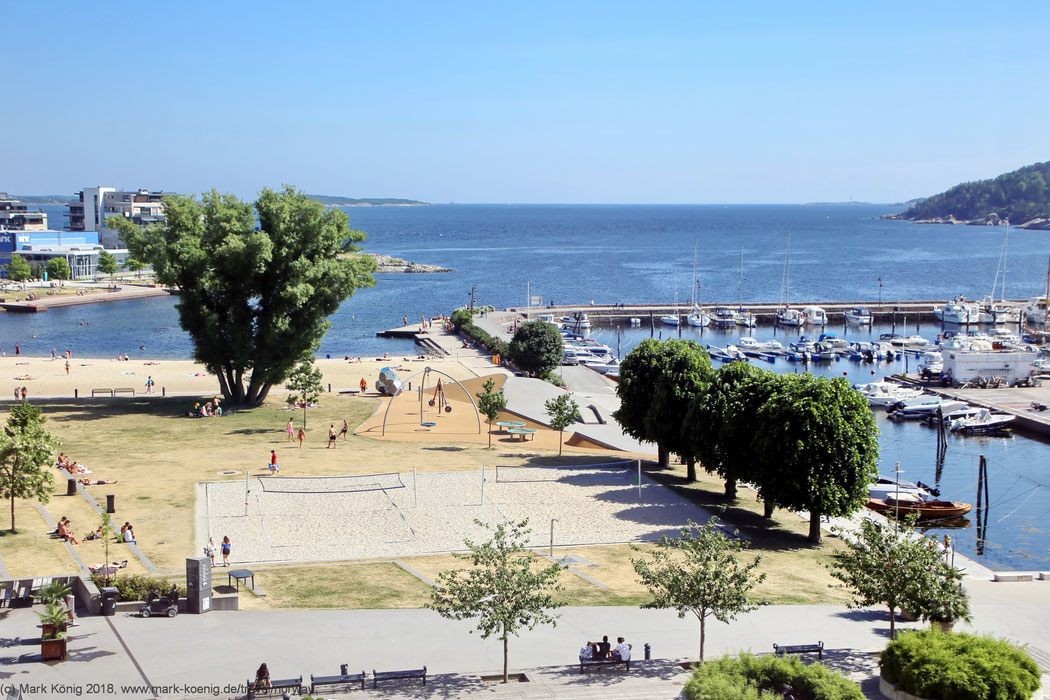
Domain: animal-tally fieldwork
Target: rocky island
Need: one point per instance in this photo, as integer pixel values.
(1020, 197)
(388, 263)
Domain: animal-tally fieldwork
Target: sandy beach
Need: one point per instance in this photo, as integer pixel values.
(45, 377)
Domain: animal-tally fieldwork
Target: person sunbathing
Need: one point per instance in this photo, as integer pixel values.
(65, 533)
(97, 482)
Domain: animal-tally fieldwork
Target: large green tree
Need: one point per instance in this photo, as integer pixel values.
(503, 589)
(685, 370)
(819, 444)
(721, 423)
(107, 263)
(27, 451)
(639, 372)
(536, 347)
(895, 566)
(58, 269)
(702, 573)
(254, 297)
(18, 270)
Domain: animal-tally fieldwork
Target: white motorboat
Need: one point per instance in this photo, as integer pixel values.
(832, 340)
(1006, 337)
(670, 320)
(991, 312)
(860, 315)
(922, 410)
(885, 394)
(983, 422)
(815, 315)
(885, 486)
(914, 340)
(790, 317)
(931, 363)
(959, 311)
(698, 318)
(749, 343)
(724, 317)
(746, 319)
(1036, 311)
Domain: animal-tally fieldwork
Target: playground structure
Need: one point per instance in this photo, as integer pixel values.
(439, 401)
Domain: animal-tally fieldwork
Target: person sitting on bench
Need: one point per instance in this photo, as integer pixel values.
(602, 649)
(587, 652)
(622, 652)
(262, 677)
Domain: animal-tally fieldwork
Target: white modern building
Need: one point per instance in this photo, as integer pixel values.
(965, 366)
(15, 216)
(93, 205)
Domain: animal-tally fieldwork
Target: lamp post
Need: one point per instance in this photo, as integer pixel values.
(553, 520)
(880, 291)
(897, 498)
(472, 290)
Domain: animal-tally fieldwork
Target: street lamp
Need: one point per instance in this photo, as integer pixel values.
(880, 291)
(553, 520)
(897, 497)
(472, 290)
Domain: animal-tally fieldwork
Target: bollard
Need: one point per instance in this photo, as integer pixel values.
(76, 394)
(111, 500)
(164, 391)
(330, 391)
(648, 651)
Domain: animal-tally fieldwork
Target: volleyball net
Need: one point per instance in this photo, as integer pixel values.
(386, 481)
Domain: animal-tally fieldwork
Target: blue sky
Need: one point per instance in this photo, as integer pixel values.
(525, 102)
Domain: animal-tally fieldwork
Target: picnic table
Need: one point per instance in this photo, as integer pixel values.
(505, 424)
(523, 432)
(240, 575)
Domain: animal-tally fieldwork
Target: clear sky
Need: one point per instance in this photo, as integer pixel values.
(525, 102)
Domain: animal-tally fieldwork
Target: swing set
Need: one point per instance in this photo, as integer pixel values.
(438, 399)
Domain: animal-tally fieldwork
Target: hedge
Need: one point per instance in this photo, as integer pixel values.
(137, 586)
(463, 322)
(748, 677)
(946, 666)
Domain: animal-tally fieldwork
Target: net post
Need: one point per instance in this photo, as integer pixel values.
(482, 483)
(639, 479)
(246, 477)
(415, 490)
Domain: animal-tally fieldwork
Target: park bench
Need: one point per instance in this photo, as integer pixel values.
(398, 675)
(586, 663)
(23, 598)
(343, 678)
(818, 649)
(278, 686)
(124, 390)
(104, 392)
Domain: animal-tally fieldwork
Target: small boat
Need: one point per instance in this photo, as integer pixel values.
(697, 318)
(670, 321)
(959, 311)
(724, 317)
(885, 394)
(860, 315)
(834, 341)
(921, 410)
(815, 315)
(931, 364)
(746, 319)
(886, 487)
(635, 322)
(915, 340)
(984, 422)
(906, 504)
(790, 317)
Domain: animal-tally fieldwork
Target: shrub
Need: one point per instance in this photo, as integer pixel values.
(460, 318)
(748, 677)
(933, 664)
(137, 586)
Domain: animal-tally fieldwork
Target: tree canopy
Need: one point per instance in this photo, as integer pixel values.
(58, 269)
(1020, 196)
(819, 442)
(503, 589)
(18, 269)
(27, 451)
(536, 347)
(304, 383)
(107, 263)
(254, 299)
(701, 573)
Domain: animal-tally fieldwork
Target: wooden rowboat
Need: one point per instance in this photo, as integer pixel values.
(926, 510)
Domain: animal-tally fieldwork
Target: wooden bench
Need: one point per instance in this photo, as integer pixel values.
(818, 649)
(398, 675)
(585, 663)
(124, 390)
(23, 598)
(105, 392)
(290, 684)
(342, 679)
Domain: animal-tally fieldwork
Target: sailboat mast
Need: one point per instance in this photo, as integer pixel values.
(1046, 297)
(741, 275)
(1005, 239)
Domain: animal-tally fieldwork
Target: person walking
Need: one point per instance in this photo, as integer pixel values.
(364, 385)
(24, 392)
(17, 394)
(331, 436)
(226, 547)
(345, 430)
(291, 430)
(274, 466)
(149, 385)
(302, 434)
(210, 549)
(67, 366)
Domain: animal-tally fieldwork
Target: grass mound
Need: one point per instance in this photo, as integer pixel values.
(932, 664)
(747, 677)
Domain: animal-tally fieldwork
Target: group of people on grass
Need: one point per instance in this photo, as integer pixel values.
(208, 409)
(601, 651)
(300, 435)
(73, 467)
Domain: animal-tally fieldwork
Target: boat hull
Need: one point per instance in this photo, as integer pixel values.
(930, 510)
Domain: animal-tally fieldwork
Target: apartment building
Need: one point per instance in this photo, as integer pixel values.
(93, 205)
(15, 216)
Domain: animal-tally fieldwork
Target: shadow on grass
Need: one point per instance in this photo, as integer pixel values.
(446, 448)
(99, 409)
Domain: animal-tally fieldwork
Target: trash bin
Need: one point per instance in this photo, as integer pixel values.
(109, 600)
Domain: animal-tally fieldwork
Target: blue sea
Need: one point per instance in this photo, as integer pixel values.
(608, 254)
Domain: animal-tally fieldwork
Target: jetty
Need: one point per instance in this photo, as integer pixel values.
(764, 312)
(43, 303)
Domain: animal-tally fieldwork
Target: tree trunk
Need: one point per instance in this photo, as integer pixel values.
(506, 667)
(690, 468)
(304, 414)
(13, 512)
(814, 526)
(560, 432)
(703, 631)
(768, 510)
(730, 488)
(893, 623)
(490, 432)
(662, 456)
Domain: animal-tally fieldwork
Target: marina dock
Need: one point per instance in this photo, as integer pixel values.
(1016, 401)
(45, 302)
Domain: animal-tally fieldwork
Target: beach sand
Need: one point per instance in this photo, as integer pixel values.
(48, 378)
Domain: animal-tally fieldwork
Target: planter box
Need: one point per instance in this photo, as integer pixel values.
(53, 649)
(889, 690)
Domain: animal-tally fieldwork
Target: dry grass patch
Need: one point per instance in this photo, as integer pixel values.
(30, 552)
(350, 586)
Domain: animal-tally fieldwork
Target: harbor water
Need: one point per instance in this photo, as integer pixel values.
(612, 254)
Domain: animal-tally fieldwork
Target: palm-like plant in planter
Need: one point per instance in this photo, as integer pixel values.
(946, 603)
(53, 638)
(53, 593)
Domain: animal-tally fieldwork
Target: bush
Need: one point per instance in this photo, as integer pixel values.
(748, 677)
(137, 586)
(933, 664)
(460, 318)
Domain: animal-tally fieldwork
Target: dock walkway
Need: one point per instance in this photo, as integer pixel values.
(93, 297)
(1016, 401)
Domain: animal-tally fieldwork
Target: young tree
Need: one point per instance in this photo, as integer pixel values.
(254, 297)
(108, 533)
(502, 589)
(305, 384)
(700, 573)
(685, 369)
(820, 444)
(893, 565)
(135, 266)
(27, 451)
(536, 347)
(18, 270)
(58, 269)
(107, 264)
(563, 412)
(490, 403)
